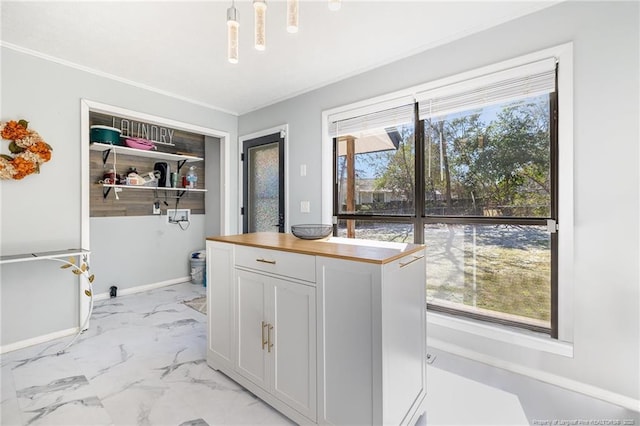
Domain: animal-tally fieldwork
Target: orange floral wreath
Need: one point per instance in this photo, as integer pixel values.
(29, 148)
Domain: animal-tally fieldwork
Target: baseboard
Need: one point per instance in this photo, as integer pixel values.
(543, 376)
(141, 288)
(37, 340)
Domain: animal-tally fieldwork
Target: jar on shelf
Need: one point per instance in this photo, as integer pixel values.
(109, 177)
(192, 177)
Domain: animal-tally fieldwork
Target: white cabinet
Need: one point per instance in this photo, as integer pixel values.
(220, 305)
(324, 339)
(372, 331)
(276, 338)
(263, 334)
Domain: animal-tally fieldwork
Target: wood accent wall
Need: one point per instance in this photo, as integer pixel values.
(139, 202)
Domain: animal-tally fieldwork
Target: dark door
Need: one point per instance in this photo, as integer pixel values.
(263, 184)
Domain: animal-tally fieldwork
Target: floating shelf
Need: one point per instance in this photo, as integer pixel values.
(107, 148)
(160, 188)
(106, 188)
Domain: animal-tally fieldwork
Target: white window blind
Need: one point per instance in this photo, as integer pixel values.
(521, 82)
(370, 122)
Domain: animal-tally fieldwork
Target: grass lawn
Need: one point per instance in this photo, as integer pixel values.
(504, 269)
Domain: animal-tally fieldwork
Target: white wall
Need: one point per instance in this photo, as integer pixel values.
(141, 250)
(43, 212)
(606, 123)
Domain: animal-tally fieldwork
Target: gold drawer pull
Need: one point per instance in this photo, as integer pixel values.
(270, 262)
(264, 342)
(415, 259)
(269, 344)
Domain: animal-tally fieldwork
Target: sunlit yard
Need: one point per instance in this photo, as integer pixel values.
(506, 270)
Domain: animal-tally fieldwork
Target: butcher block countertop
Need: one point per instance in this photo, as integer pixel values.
(340, 248)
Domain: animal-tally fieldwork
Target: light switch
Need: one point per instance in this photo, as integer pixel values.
(305, 207)
(303, 169)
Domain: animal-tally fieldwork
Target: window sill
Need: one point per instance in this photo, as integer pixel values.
(523, 338)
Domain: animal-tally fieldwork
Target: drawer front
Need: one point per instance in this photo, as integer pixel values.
(292, 265)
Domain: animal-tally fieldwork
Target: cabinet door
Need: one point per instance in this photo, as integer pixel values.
(220, 304)
(293, 316)
(348, 330)
(251, 361)
(403, 337)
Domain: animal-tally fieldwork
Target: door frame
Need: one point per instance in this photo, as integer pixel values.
(284, 134)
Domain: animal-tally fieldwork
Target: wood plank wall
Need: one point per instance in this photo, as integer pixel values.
(140, 202)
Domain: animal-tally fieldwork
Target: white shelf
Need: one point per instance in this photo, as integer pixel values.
(26, 257)
(160, 188)
(102, 147)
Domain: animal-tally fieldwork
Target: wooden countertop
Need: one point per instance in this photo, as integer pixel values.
(340, 248)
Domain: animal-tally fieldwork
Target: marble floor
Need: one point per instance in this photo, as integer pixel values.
(142, 362)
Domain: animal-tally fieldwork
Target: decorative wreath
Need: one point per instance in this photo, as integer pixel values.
(28, 147)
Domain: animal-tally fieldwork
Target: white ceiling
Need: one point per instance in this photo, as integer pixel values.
(179, 47)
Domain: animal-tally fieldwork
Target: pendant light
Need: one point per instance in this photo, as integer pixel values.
(232, 34)
(292, 16)
(259, 23)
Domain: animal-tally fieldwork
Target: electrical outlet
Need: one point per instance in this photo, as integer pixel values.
(305, 207)
(156, 207)
(179, 215)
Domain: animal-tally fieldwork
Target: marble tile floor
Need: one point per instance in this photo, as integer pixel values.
(142, 362)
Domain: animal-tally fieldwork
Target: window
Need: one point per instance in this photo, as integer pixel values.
(470, 170)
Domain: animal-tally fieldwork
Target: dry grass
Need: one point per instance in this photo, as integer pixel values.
(501, 269)
(510, 274)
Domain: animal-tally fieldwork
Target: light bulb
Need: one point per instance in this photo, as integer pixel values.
(232, 34)
(259, 16)
(335, 4)
(292, 16)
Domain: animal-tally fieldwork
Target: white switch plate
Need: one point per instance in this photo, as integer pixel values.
(305, 207)
(303, 169)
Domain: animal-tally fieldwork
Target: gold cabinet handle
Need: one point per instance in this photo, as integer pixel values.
(270, 262)
(415, 259)
(269, 344)
(264, 342)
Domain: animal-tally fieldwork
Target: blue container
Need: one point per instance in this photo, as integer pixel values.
(105, 134)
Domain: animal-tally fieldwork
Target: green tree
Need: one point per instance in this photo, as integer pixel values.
(396, 168)
(512, 168)
(471, 165)
(450, 146)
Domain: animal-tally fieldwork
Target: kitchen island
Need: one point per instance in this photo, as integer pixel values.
(325, 331)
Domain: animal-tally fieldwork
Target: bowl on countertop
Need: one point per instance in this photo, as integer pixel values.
(312, 231)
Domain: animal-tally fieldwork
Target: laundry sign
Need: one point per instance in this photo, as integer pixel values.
(137, 129)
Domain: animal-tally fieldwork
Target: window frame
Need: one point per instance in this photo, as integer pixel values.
(562, 137)
(419, 219)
